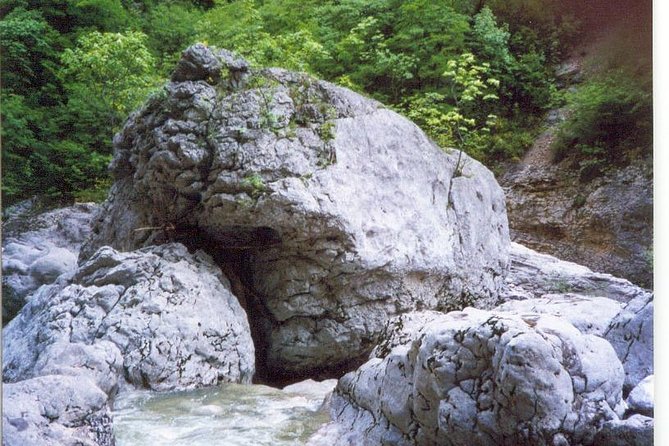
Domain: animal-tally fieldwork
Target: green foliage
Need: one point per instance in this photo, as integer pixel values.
(254, 185)
(19, 136)
(610, 122)
(78, 67)
(29, 47)
(470, 88)
(116, 68)
(491, 41)
(239, 27)
(170, 28)
(97, 193)
(103, 15)
(62, 168)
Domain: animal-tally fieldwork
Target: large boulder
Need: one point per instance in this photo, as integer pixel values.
(636, 430)
(55, 410)
(631, 334)
(37, 247)
(480, 378)
(158, 318)
(589, 314)
(641, 399)
(533, 274)
(333, 212)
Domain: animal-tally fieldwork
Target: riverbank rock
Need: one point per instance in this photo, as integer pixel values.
(641, 399)
(636, 430)
(533, 275)
(158, 318)
(334, 212)
(37, 247)
(55, 410)
(631, 334)
(605, 223)
(590, 315)
(477, 377)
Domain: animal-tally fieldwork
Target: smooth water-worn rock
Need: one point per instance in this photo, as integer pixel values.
(591, 315)
(634, 431)
(533, 274)
(642, 398)
(605, 223)
(55, 410)
(631, 334)
(482, 378)
(37, 247)
(334, 212)
(157, 318)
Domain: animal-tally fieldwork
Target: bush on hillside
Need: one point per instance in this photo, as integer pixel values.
(610, 122)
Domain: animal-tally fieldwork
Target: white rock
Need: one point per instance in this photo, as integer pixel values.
(483, 378)
(641, 398)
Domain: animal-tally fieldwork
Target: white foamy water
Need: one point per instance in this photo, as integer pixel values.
(230, 415)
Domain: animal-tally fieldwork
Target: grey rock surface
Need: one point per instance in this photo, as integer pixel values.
(605, 224)
(334, 212)
(37, 247)
(634, 431)
(590, 315)
(641, 399)
(482, 378)
(533, 274)
(158, 318)
(55, 410)
(631, 334)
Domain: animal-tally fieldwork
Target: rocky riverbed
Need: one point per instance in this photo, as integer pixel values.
(268, 227)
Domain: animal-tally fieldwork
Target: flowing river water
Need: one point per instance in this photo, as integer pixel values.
(230, 415)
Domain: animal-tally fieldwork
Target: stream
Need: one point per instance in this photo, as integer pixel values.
(230, 415)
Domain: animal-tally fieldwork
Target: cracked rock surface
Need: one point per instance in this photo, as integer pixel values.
(477, 377)
(533, 274)
(55, 410)
(636, 430)
(37, 247)
(631, 334)
(341, 212)
(642, 398)
(157, 318)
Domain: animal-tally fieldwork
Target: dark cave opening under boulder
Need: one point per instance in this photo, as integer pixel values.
(234, 250)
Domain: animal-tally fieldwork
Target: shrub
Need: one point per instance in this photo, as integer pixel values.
(610, 121)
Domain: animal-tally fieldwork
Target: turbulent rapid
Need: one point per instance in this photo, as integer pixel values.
(232, 414)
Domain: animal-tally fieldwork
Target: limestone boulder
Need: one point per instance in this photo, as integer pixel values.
(533, 274)
(157, 318)
(55, 410)
(37, 247)
(333, 212)
(631, 334)
(589, 314)
(636, 430)
(642, 398)
(477, 377)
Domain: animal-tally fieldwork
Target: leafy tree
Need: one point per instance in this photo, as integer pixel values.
(457, 117)
(433, 33)
(470, 87)
(610, 122)
(116, 69)
(371, 64)
(103, 15)
(29, 48)
(170, 28)
(240, 27)
(18, 139)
